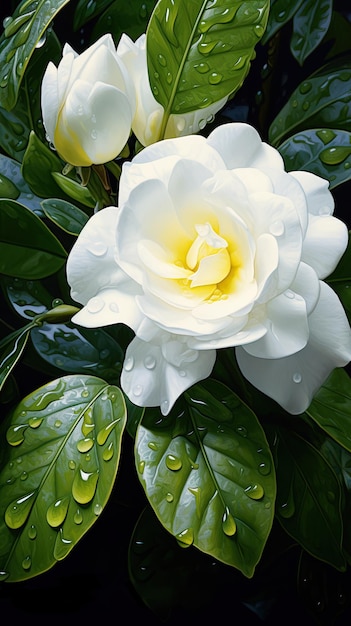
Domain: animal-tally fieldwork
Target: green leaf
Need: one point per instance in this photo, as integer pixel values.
(74, 189)
(207, 471)
(308, 498)
(39, 162)
(280, 13)
(74, 350)
(11, 170)
(22, 33)
(11, 350)
(322, 151)
(87, 10)
(311, 22)
(331, 407)
(340, 279)
(68, 437)
(28, 298)
(124, 17)
(199, 52)
(322, 100)
(65, 215)
(28, 249)
(26, 114)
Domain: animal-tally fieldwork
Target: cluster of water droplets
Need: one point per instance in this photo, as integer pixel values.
(80, 504)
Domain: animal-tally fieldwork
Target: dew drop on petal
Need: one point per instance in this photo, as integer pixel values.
(289, 294)
(277, 228)
(150, 362)
(137, 391)
(297, 378)
(95, 305)
(97, 248)
(129, 364)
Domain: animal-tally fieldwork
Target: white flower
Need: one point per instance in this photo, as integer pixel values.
(215, 245)
(88, 104)
(148, 117)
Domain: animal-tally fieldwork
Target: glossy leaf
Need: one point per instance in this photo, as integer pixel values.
(323, 151)
(22, 33)
(24, 255)
(65, 215)
(11, 170)
(73, 189)
(124, 17)
(280, 12)
(27, 297)
(87, 10)
(199, 52)
(322, 100)
(26, 115)
(74, 350)
(331, 407)
(11, 350)
(207, 471)
(311, 22)
(308, 498)
(39, 162)
(68, 437)
(340, 279)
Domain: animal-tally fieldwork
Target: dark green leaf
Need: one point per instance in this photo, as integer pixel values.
(323, 151)
(73, 189)
(207, 471)
(39, 162)
(281, 12)
(64, 214)
(124, 17)
(322, 100)
(311, 22)
(28, 298)
(340, 280)
(86, 10)
(28, 249)
(11, 169)
(331, 407)
(68, 437)
(11, 350)
(199, 52)
(308, 498)
(22, 34)
(74, 350)
(26, 115)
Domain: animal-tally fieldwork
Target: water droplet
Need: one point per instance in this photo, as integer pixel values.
(15, 434)
(169, 497)
(186, 537)
(259, 30)
(228, 523)
(93, 134)
(162, 61)
(305, 87)
(137, 391)
(3, 575)
(255, 491)
(289, 294)
(173, 463)
(32, 532)
(78, 517)
(95, 305)
(182, 373)
(27, 563)
(287, 509)
(24, 476)
(215, 78)
(41, 41)
(206, 47)
(97, 509)
(113, 306)
(264, 468)
(72, 465)
(297, 378)
(104, 432)
(202, 68)
(18, 511)
(58, 423)
(34, 422)
(84, 486)
(152, 445)
(84, 445)
(128, 364)
(97, 248)
(62, 546)
(108, 452)
(326, 135)
(141, 467)
(241, 430)
(57, 512)
(277, 228)
(335, 155)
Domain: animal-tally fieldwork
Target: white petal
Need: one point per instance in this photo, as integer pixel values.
(325, 242)
(240, 145)
(111, 306)
(149, 379)
(320, 200)
(50, 103)
(307, 285)
(287, 328)
(292, 381)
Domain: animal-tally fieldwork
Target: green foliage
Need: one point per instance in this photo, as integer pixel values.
(340, 279)
(311, 22)
(68, 436)
(36, 257)
(22, 34)
(198, 53)
(207, 471)
(64, 214)
(124, 17)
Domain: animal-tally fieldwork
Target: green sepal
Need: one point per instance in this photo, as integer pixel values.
(208, 473)
(67, 435)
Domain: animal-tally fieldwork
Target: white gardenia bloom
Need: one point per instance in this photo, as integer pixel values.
(148, 116)
(215, 245)
(88, 104)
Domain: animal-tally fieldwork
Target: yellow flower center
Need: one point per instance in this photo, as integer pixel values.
(208, 257)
